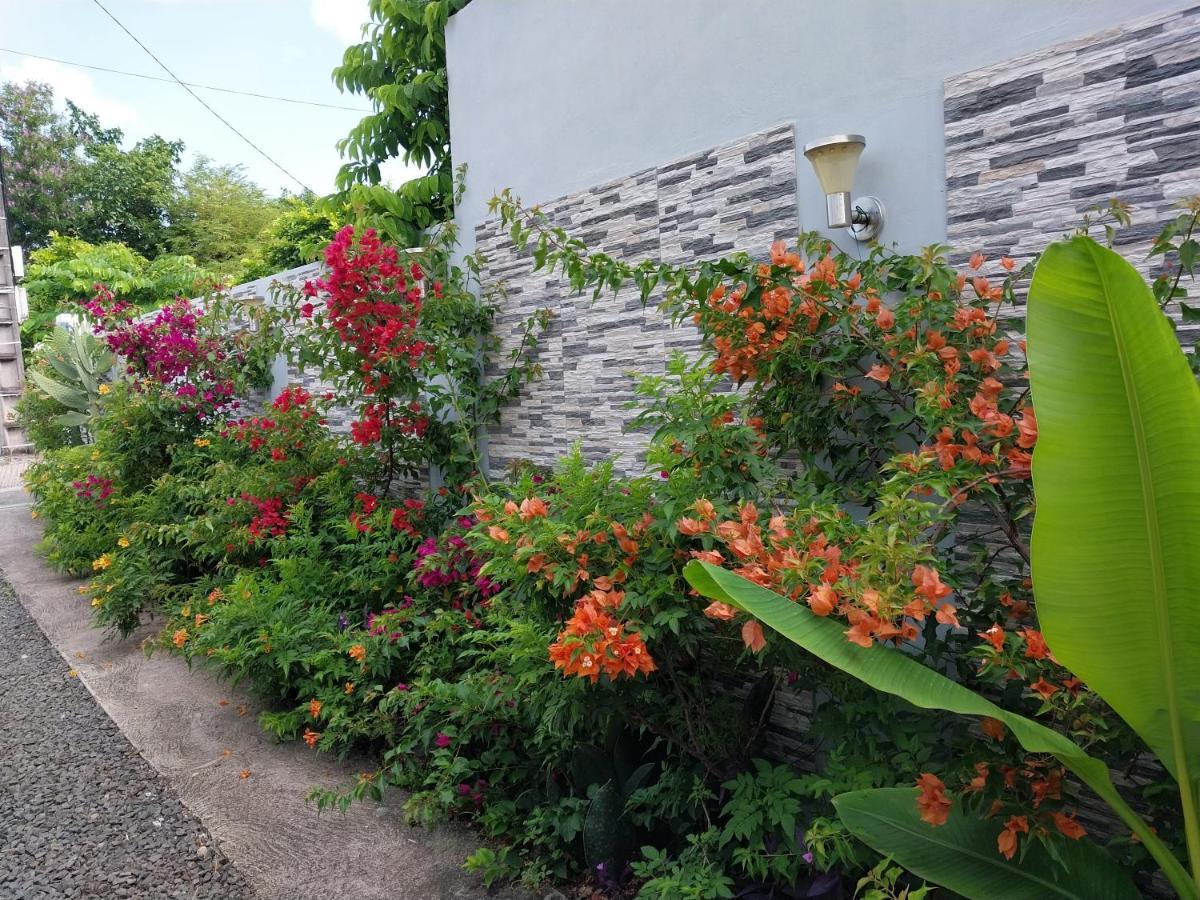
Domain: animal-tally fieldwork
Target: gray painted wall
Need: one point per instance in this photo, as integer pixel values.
(549, 97)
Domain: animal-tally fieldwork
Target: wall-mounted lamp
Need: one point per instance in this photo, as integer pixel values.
(834, 159)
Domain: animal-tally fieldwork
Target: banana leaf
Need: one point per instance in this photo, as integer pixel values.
(1116, 473)
(893, 672)
(961, 855)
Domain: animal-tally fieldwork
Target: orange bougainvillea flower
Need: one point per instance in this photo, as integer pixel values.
(179, 638)
(752, 636)
(1068, 826)
(1007, 262)
(880, 373)
(690, 527)
(496, 533)
(993, 728)
(721, 611)
(1008, 841)
(932, 800)
(1027, 431)
(1035, 644)
(510, 508)
(704, 509)
(995, 636)
(532, 508)
(311, 737)
(314, 708)
(886, 319)
(358, 652)
(822, 599)
(1044, 688)
(929, 584)
(977, 259)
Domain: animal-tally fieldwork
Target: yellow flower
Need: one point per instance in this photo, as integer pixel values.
(33, 514)
(201, 442)
(102, 563)
(122, 542)
(108, 590)
(84, 589)
(104, 389)
(95, 456)
(96, 601)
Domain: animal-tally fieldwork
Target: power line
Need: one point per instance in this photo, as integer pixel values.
(207, 87)
(201, 100)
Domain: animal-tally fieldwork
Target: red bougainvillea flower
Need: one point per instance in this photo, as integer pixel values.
(932, 800)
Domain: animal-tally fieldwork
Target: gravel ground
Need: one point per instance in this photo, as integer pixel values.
(82, 814)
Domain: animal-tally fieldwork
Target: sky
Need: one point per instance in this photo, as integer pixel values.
(286, 48)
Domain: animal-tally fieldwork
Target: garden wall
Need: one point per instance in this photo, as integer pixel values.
(1030, 143)
(738, 196)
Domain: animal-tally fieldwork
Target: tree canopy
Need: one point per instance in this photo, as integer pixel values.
(401, 67)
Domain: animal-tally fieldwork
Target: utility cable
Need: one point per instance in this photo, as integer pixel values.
(263, 153)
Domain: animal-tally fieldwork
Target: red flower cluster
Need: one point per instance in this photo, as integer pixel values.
(373, 301)
(378, 415)
(269, 521)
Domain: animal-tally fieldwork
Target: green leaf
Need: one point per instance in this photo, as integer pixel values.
(962, 854)
(895, 673)
(70, 397)
(1116, 537)
(1190, 313)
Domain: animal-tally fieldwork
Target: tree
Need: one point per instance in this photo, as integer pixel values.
(294, 238)
(126, 196)
(218, 214)
(41, 158)
(401, 68)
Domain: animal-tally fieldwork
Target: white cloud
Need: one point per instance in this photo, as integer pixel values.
(341, 18)
(70, 84)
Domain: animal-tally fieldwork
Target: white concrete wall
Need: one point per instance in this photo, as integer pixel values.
(548, 97)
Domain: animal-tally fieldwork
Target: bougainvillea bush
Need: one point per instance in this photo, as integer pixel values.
(525, 653)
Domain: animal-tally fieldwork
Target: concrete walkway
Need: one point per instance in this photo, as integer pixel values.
(202, 735)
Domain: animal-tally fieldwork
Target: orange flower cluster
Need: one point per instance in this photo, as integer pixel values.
(831, 579)
(593, 641)
(745, 336)
(1043, 783)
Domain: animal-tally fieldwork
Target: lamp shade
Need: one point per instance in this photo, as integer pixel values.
(835, 160)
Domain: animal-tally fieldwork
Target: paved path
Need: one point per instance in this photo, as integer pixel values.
(202, 736)
(81, 813)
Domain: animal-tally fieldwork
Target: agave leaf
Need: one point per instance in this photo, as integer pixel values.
(71, 397)
(895, 673)
(73, 419)
(961, 854)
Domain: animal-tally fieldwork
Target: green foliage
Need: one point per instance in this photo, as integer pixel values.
(218, 216)
(64, 274)
(1114, 390)
(401, 67)
(294, 237)
(43, 159)
(961, 854)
